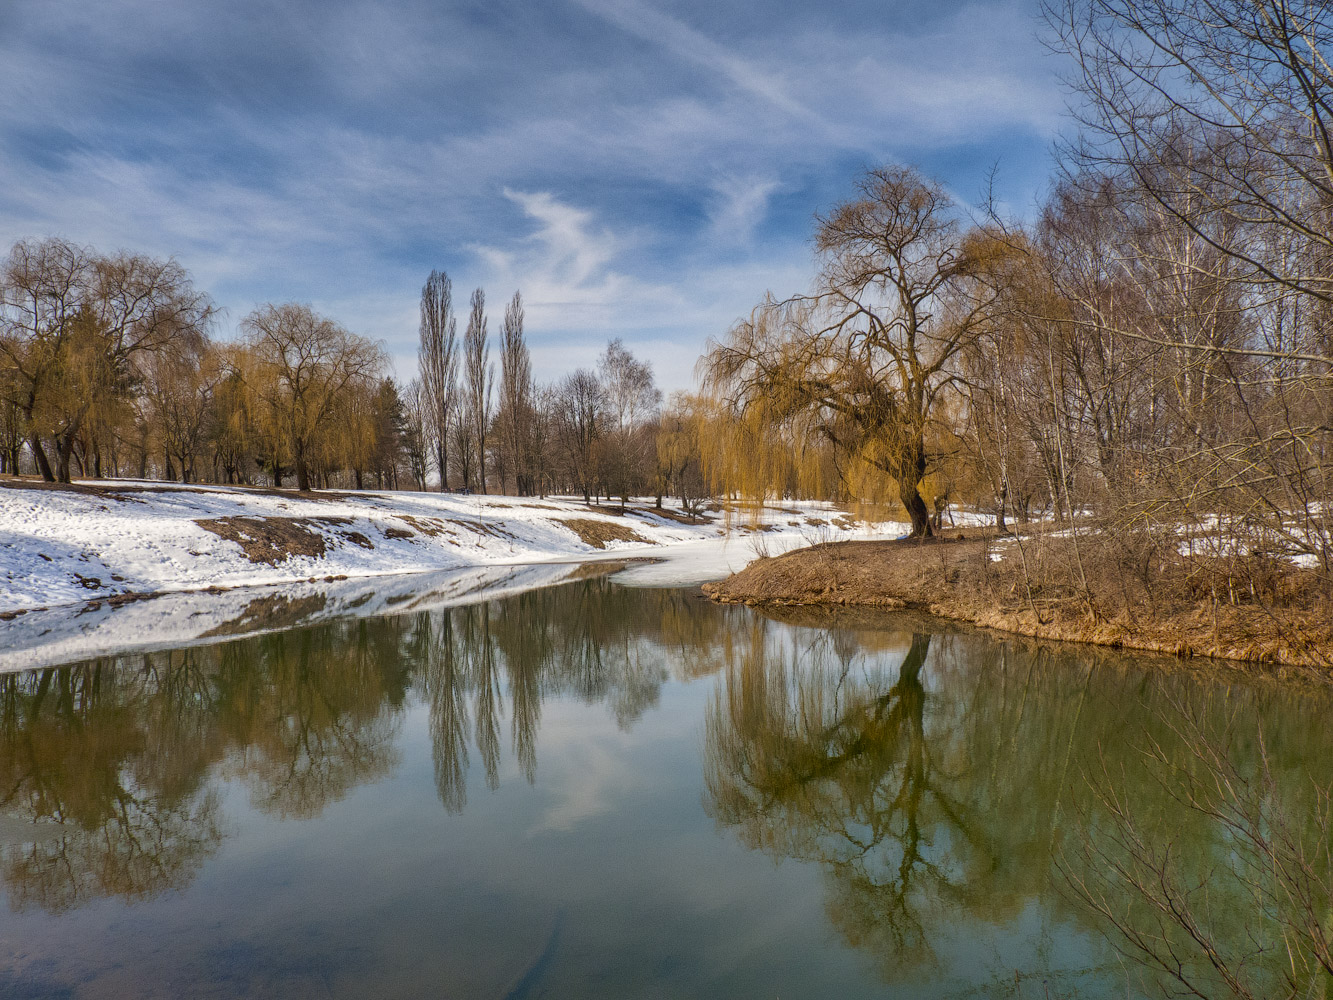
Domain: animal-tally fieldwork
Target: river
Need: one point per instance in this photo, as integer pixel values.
(593, 790)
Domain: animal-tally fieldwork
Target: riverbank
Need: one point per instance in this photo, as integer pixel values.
(1045, 588)
(115, 542)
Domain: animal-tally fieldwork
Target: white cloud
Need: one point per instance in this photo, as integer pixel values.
(740, 205)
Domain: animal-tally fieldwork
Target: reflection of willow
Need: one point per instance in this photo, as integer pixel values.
(938, 809)
(114, 760)
(820, 763)
(317, 725)
(132, 821)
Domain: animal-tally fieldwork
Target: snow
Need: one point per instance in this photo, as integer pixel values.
(63, 554)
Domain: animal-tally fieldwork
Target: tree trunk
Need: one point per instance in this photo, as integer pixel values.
(64, 449)
(39, 454)
(916, 509)
(302, 473)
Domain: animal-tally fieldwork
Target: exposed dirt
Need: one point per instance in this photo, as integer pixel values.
(431, 526)
(957, 576)
(124, 493)
(680, 517)
(598, 533)
(269, 540)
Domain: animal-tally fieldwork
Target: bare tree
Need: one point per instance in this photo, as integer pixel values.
(478, 383)
(515, 414)
(437, 358)
(579, 412)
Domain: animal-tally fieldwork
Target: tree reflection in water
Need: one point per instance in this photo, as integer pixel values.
(123, 754)
(939, 786)
(934, 778)
(116, 761)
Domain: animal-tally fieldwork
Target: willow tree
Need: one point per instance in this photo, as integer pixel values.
(868, 359)
(304, 363)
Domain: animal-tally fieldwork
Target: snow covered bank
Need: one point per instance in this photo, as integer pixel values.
(76, 564)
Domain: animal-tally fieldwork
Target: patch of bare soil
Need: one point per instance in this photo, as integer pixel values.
(102, 492)
(272, 611)
(480, 527)
(273, 540)
(431, 526)
(598, 533)
(613, 511)
(269, 540)
(680, 517)
(1285, 617)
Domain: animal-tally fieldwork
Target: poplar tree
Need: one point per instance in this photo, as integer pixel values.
(437, 358)
(478, 382)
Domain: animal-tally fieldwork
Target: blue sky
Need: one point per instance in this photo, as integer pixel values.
(639, 168)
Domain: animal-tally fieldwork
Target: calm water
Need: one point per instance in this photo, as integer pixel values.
(595, 791)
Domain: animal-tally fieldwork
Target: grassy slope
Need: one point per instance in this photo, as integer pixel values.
(974, 577)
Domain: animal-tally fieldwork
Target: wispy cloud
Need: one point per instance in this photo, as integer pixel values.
(637, 170)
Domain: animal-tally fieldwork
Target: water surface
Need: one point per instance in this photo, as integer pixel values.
(599, 791)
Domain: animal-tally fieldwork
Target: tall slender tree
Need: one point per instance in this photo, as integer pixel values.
(437, 357)
(515, 415)
(478, 381)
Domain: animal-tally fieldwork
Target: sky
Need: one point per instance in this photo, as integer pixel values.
(645, 169)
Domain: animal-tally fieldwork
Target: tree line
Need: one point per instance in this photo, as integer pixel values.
(108, 367)
(1154, 348)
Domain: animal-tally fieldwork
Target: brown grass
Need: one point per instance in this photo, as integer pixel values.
(431, 526)
(1284, 615)
(679, 516)
(268, 540)
(598, 533)
(272, 540)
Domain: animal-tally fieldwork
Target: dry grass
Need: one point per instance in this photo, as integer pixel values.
(272, 540)
(598, 533)
(680, 517)
(1161, 602)
(269, 540)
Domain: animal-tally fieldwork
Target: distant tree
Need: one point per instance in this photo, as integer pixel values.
(437, 358)
(478, 382)
(868, 360)
(579, 411)
(515, 414)
(304, 362)
(74, 326)
(632, 401)
(180, 384)
(416, 444)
